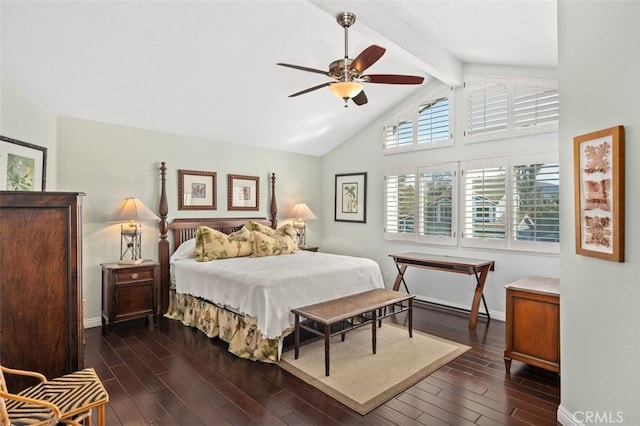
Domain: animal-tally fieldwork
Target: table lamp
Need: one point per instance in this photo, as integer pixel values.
(131, 210)
(300, 213)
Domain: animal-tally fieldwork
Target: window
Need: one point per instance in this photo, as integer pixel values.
(500, 108)
(433, 121)
(536, 200)
(399, 134)
(486, 107)
(428, 125)
(535, 106)
(512, 203)
(400, 212)
(485, 195)
(436, 204)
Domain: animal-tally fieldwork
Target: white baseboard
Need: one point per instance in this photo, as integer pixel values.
(566, 418)
(500, 316)
(92, 322)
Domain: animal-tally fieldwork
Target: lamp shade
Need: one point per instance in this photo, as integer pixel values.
(345, 89)
(132, 210)
(302, 211)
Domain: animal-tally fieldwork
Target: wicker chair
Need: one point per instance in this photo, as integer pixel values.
(68, 399)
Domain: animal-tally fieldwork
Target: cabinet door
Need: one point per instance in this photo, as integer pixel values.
(40, 293)
(534, 330)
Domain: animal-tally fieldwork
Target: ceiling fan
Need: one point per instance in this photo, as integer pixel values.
(348, 73)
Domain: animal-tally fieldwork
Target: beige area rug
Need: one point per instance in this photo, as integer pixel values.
(363, 381)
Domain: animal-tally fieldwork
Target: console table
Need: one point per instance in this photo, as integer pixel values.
(460, 265)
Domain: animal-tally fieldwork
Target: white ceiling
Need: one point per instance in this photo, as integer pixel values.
(207, 68)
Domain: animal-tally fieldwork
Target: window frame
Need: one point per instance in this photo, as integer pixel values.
(450, 240)
(392, 172)
(411, 114)
(509, 242)
(473, 83)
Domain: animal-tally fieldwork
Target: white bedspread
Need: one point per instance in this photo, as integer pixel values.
(269, 287)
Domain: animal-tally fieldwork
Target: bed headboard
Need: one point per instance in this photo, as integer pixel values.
(184, 229)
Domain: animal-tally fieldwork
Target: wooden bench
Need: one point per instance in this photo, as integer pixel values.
(349, 313)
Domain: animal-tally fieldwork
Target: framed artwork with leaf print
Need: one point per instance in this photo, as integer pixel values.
(599, 193)
(351, 197)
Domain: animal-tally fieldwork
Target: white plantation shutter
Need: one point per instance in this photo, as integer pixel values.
(535, 106)
(485, 194)
(399, 134)
(433, 121)
(486, 107)
(536, 200)
(425, 125)
(437, 202)
(400, 220)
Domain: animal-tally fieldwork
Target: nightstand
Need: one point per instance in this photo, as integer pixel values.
(308, 248)
(533, 322)
(129, 292)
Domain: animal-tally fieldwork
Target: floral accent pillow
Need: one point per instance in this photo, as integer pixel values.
(212, 244)
(264, 245)
(259, 227)
(273, 242)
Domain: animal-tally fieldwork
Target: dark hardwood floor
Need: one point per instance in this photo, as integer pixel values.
(171, 375)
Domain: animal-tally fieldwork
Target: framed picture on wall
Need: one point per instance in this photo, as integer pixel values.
(351, 198)
(599, 193)
(243, 193)
(197, 190)
(23, 166)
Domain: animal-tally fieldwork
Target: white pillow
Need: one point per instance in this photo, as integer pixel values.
(187, 250)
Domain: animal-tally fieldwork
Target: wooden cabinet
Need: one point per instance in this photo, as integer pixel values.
(129, 292)
(533, 322)
(41, 326)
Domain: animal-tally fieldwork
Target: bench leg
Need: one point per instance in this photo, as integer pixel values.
(297, 337)
(373, 329)
(410, 312)
(327, 333)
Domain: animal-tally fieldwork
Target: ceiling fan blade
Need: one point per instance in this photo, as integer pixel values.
(368, 57)
(360, 98)
(301, 68)
(311, 89)
(393, 79)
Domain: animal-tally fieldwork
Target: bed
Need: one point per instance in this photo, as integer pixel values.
(246, 301)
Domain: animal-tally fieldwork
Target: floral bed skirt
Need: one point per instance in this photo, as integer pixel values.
(239, 331)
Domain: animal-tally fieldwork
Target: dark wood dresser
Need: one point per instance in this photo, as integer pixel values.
(41, 324)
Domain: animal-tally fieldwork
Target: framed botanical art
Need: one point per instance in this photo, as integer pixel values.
(23, 166)
(243, 193)
(351, 198)
(599, 193)
(197, 190)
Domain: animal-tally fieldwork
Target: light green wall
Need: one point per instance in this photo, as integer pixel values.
(23, 119)
(599, 69)
(110, 162)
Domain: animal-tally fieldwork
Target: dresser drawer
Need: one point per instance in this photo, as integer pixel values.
(129, 275)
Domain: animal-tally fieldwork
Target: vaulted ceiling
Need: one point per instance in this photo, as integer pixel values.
(208, 68)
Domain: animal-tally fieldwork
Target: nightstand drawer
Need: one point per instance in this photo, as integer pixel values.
(128, 275)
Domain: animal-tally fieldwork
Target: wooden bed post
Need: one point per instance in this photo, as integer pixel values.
(274, 206)
(163, 244)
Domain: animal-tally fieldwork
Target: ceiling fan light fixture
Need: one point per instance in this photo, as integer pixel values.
(346, 89)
